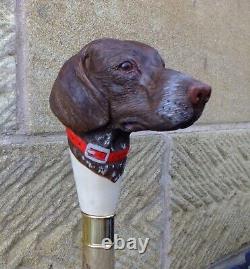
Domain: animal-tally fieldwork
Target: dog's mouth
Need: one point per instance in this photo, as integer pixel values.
(132, 124)
(187, 123)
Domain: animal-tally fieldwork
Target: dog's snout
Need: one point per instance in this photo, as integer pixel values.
(199, 93)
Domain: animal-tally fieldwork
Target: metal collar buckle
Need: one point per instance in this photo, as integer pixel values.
(92, 147)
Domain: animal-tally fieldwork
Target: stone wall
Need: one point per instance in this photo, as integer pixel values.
(187, 190)
(7, 68)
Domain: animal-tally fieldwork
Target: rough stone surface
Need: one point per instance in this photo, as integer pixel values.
(7, 112)
(208, 39)
(208, 197)
(7, 67)
(39, 212)
(140, 212)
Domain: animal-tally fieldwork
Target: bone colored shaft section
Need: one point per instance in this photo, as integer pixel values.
(98, 198)
(97, 195)
(94, 230)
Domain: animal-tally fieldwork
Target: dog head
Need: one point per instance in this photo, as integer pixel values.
(125, 85)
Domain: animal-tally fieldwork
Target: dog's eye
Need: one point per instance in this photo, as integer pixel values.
(126, 66)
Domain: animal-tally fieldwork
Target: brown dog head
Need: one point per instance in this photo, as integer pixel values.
(125, 85)
(112, 88)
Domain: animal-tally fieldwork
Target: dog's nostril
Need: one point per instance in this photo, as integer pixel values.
(199, 93)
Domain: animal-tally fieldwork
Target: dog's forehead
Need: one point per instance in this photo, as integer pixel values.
(114, 48)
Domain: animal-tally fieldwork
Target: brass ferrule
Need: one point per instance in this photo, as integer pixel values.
(96, 229)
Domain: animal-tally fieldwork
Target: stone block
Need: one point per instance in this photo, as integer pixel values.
(208, 198)
(8, 112)
(206, 39)
(140, 212)
(7, 67)
(39, 212)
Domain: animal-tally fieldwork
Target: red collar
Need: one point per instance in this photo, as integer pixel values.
(95, 152)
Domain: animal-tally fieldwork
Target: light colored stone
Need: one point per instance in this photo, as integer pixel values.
(7, 67)
(207, 39)
(208, 198)
(140, 212)
(7, 111)
(39, 212)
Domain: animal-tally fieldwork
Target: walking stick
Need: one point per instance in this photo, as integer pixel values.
(103, 93)
(98, 198)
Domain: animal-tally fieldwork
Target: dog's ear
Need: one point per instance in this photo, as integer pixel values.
(75, 100)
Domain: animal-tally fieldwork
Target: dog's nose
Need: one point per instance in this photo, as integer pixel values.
(199, 93)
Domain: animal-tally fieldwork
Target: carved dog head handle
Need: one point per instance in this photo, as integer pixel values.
(112, 88)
